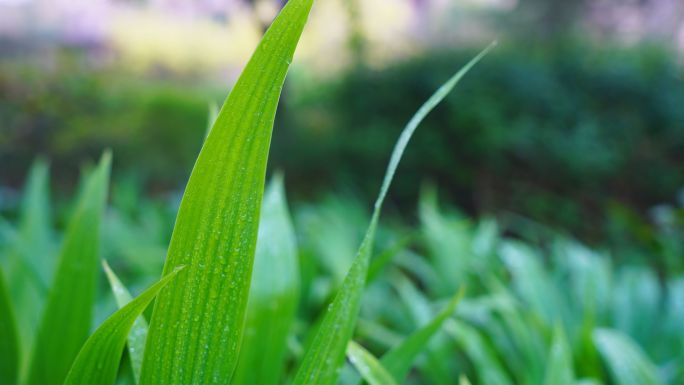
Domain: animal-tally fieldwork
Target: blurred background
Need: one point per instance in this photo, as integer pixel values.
(575, 121)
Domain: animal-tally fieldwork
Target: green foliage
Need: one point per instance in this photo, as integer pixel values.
(505, 331)
(559, 369)
(147, 123)
(197, 322)
(368, 366)
(400, 358)
(273, 295)
(324, 356)
(30, 256)
(138, 333)
(98, 360)
(628, 364)
(251, 307)
(67, 316)
(9, 349)
(553, 132)
(487, 368)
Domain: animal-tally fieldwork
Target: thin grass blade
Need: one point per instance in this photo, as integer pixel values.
(401, 358)
(138, 334)
(368, 366)
(98, 360)
(487, 367)
(559, 370)
(325, 355)
(273, 294)
(197, 322)
(30, 261)
(68, 311)
(9, 349)
(628, 364)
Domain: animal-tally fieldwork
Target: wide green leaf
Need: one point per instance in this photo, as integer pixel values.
(138, 333)
(98, 360)
(9, 349)
(197, 323)
(401, 358)
(68, 311)
(273, 295)
(368, 366)
(628, 364)
(325, 355)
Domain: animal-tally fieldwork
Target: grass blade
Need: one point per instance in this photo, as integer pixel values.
(326, 353)
(29, 260)
(382, 260)
(9, 349)
(197, 322)
(368, 366)
(559, 369)
(35, 227)
(399, 359)
(532, 281)
(138, 333)
(487, 367)
(98, 360)
(626, 361)
(273, 295)
(69, 308)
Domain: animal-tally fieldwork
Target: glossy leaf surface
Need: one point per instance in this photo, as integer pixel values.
(197, 322)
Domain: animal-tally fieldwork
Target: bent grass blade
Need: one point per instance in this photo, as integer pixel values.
(323, 359)
(368, 366)
(138, 333)
(399, 359)
(98, 360)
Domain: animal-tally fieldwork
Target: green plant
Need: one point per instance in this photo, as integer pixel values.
(247, 297)
(197, 324)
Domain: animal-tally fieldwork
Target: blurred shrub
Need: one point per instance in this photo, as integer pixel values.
(567, 134)
(556, 133)
(67, 114)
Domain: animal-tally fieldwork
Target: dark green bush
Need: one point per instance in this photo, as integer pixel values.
(555, 133)
(570, 135)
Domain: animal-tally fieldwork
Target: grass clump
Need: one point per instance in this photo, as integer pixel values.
(241, 302)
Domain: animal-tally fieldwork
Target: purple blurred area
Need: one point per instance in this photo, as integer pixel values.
(40, 25)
